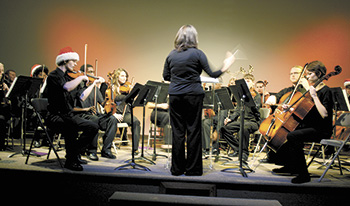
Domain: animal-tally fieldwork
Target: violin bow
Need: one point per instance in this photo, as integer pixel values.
(95, 99)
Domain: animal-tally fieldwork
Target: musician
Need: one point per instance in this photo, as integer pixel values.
(182, 68)
(37, 71)
(347, 88)
(232, 81)
(4, 108)
(123, 114)
(251, 123)
(211, 114)
(316, 125)
(10, 76)
(163, 120)
(294, 76)
(260, 87)
(61, 116)
(89, 98)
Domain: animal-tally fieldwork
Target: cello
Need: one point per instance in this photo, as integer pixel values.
(276, 127)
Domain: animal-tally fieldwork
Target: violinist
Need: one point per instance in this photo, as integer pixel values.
(347, 88)
(260, 87)
(37, 71)
(316, 125)
(89, 97)
(217, 124)
(4, 108)
(40, 71)
(62, 118)
(251, 123)
(122, 87)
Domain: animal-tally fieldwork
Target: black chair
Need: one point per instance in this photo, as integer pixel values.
(338, 142)
(40, 109)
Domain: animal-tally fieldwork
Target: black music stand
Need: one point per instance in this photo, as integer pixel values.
(145, 95)
(129, 100)
(224, 102)
(340, 103)
(160, 96)
(24, 86)
(241, 91)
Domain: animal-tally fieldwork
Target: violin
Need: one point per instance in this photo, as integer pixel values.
(110, 106)
(125, 88)
(74, 74)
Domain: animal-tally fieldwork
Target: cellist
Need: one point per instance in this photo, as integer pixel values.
(316, 125)
(294, 76)
(282, 95)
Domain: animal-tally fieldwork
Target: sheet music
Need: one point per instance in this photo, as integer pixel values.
(209, 79)
(12, 85)
(346, 99)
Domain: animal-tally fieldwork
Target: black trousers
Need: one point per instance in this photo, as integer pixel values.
(107, 123)
(163, 120)
(69, 126)
(233, 127)
(292, 151)
(185, 120)
(136, 131)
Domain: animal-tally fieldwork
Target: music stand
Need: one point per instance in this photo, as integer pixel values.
(129, 100)
(340, 99)
(341, 102)
(208, 102)
(23, 86)
(160, 96)
(145, 95)
(224, 102)
(241, 91)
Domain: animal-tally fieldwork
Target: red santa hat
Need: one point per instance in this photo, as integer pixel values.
(39, 67)
(346, 82)
(34, 68)
(66, 54)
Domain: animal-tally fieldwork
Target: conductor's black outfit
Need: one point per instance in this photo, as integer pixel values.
(183, 69)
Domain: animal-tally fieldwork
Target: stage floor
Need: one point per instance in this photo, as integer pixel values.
(260, 180)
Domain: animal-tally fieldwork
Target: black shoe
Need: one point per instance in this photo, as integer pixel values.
(108, 155)
(81, 161)
(283, 170)
(301, 178)
(92, 156)
(73, 166)
(136, 152)
(266, 161)
(234, 154)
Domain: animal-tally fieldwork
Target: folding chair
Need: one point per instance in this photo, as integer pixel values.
(338, 142)
(120, 139)
(40, 109)
(264, 113)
